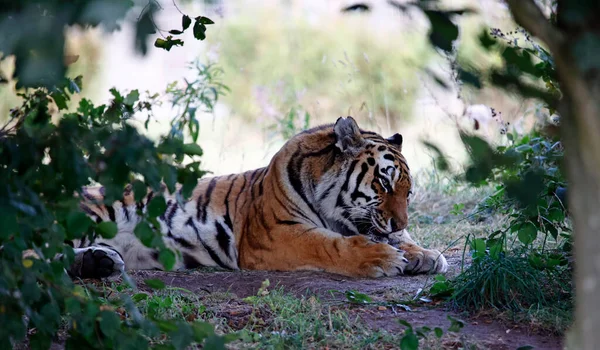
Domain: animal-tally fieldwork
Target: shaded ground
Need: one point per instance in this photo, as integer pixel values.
(396, 297)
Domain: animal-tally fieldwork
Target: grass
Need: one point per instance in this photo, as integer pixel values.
(276, 319)
(440, 212)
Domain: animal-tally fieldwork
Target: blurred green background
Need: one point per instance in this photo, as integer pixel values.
(292, 64)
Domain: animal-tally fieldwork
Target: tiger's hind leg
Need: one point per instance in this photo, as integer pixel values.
(96, 262)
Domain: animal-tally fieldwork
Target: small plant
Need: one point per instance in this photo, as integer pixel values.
(412, 336)
(458, 209)
(291, 123)
(198, 95)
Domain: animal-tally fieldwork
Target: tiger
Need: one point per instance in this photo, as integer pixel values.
(334, 198)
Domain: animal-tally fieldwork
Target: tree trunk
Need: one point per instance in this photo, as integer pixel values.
(579, 79)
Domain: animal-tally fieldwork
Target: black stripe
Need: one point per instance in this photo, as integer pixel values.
(327, 191)
(181, 241)
(286, 222)
(223, 238)
(199, 207)
(90, 212)
(340, 201)
(170, 215)
(292, 208)
(227, 217)
(213, 255)
(111, 213)
(389, 157)
(356, 193)
(209, 190)
(125, 211)
(253, 180)
(240, 193)
(293, 171)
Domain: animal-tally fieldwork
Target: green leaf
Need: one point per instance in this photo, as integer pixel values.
(409, 342)
(144, 233)
(167, 258)
(60, 99)
(185, 22)
(214, 342)
(175, 32)
(441, 162)
(8, 218)
(525, 347)
(438, 332)
(443, 32)
(139, 297)
(199, 30)
(109, 323)
(139, 190)
(155, 283)
(202, 330)
(358, 298)
(107, 229)
(132, 97)
(405, 323)
(157, 206)
(167, 43)
(205, 20)
(182, 336)
(478, 247)
(192, 149)
(455, 324)
(78, 224)
(527, 233)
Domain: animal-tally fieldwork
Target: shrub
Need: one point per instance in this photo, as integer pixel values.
(42, 166)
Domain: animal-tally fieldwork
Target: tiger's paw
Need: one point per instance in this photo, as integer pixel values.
(395, 265)
(423, 261)
(97, 262)
(381, 260)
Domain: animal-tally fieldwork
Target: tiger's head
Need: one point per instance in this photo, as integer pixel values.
(375, 182)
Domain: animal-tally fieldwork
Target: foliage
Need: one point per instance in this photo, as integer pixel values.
(529, 191)
(290, 123)
(97, 144)
(412, 336)
(33, 31)
(507, 282)
(201, 93)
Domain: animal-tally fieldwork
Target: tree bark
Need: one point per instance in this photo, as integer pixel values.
(580, 131)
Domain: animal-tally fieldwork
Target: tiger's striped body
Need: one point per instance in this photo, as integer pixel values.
(331, 199)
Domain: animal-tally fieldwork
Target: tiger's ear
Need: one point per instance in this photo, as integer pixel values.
(395, 140)
(347, 134)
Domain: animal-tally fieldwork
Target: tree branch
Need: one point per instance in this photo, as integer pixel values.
(529, 16)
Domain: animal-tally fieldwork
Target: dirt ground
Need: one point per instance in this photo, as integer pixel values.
(484, 330)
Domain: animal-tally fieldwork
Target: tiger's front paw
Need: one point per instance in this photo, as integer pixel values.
(97, 262)
(424, 260)
(380, 260)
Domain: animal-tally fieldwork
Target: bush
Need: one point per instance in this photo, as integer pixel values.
(42, 166)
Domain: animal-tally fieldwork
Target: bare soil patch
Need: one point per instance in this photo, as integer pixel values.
(329, 288)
